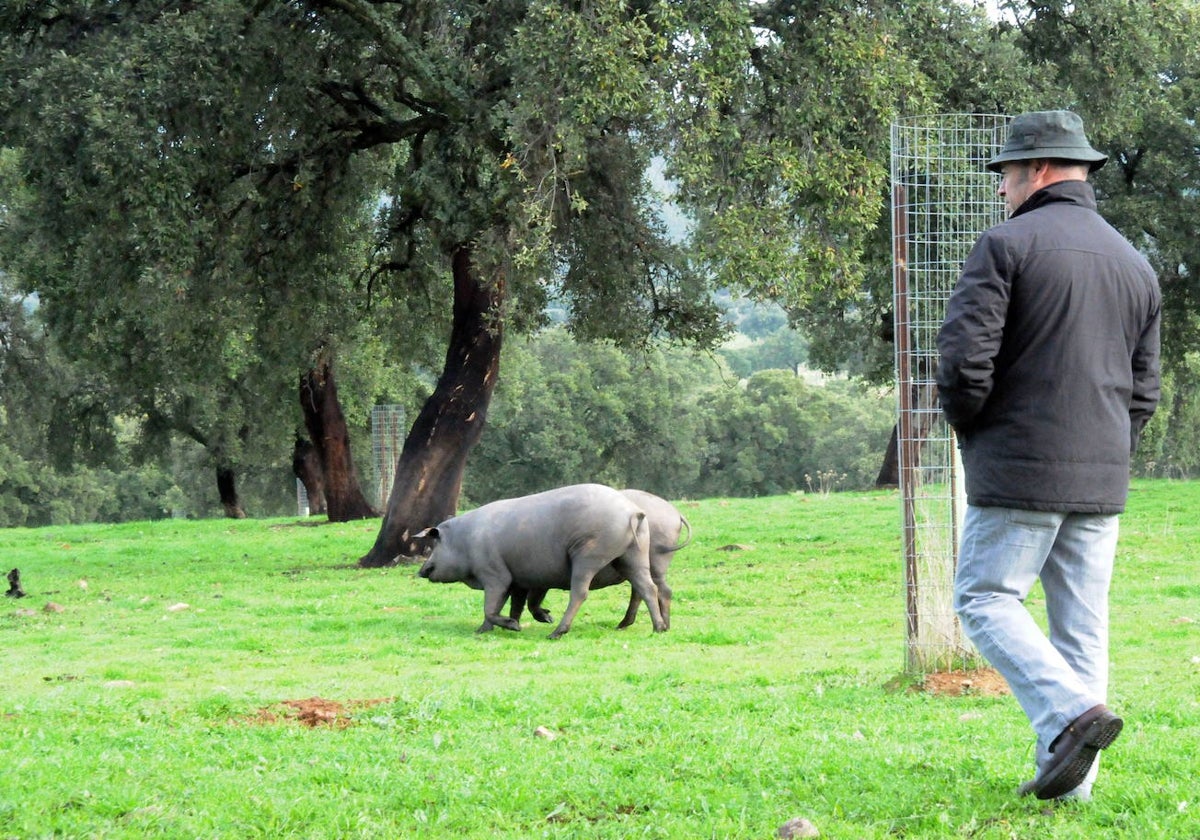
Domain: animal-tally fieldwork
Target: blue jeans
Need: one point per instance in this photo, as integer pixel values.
(1004, 551)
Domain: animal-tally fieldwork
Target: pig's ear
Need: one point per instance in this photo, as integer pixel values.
(427, 539)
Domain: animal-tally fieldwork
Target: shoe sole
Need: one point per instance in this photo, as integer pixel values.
(1073, 769)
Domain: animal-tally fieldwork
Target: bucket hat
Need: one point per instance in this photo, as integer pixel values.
(1048, 134)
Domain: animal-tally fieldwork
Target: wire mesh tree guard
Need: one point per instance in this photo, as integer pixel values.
(942, 200)
(302, 508)
(387, 440)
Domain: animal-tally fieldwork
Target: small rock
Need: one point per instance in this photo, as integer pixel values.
(736, 547)
(543, 732)
(177, 607)
(797, 827)
(52, 607)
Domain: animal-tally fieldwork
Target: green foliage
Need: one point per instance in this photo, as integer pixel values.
(128, 715)
(783, 348)
(193, 245)
(567, 412)
(671, 422)
(753, 320)
(777, 433)
(1170, 444)
(781, 154)
(35, 495)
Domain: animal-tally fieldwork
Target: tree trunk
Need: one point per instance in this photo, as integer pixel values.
(430, 471)
(227, 489)
(889, 471)
(306, 465)
(326, 424)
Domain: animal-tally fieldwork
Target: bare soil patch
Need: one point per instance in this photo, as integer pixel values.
(313, 712)
(983, 681)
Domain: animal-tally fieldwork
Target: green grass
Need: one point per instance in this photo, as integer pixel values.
(123, 718)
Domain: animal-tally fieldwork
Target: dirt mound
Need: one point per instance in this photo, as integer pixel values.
(977, 681)
(983, 681)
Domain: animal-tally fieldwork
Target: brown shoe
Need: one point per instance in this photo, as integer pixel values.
(1074, 751)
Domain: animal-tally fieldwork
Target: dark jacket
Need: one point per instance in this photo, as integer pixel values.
(1049, 365)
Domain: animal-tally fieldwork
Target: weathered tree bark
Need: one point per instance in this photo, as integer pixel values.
(326, 424)
(227, 489)
(306, 466)
(430, 471)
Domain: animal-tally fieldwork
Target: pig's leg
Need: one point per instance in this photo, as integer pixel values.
(520, 598)
(516, 596)
(581, 579)
(634, 564)
(631, 611)
(664, 599)
(664, 603)
(645, 590)
(535, 606)
(494, 596)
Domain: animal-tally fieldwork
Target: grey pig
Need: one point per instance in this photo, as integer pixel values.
(666, 524)
(557, 539)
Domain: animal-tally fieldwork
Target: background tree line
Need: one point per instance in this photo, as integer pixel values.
(672, 420)
(241, 222)
(747, 420)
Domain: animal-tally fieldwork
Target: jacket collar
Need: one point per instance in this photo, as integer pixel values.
(1061, 192)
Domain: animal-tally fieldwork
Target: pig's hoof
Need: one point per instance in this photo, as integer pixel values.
(543, 616)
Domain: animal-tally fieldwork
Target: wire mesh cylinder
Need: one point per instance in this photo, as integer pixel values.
(942, 200)
(387, 440)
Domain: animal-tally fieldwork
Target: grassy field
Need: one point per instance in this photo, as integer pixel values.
(150, 687)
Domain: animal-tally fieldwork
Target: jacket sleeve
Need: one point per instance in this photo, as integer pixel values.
(972, 331)
(1146, 382)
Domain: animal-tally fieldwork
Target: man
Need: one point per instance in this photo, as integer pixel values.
(1048, 372)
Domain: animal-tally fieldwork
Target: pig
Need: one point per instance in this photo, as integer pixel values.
(666, 523)
(556, 539)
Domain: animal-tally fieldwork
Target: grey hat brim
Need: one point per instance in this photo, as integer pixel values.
(1094, 160)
